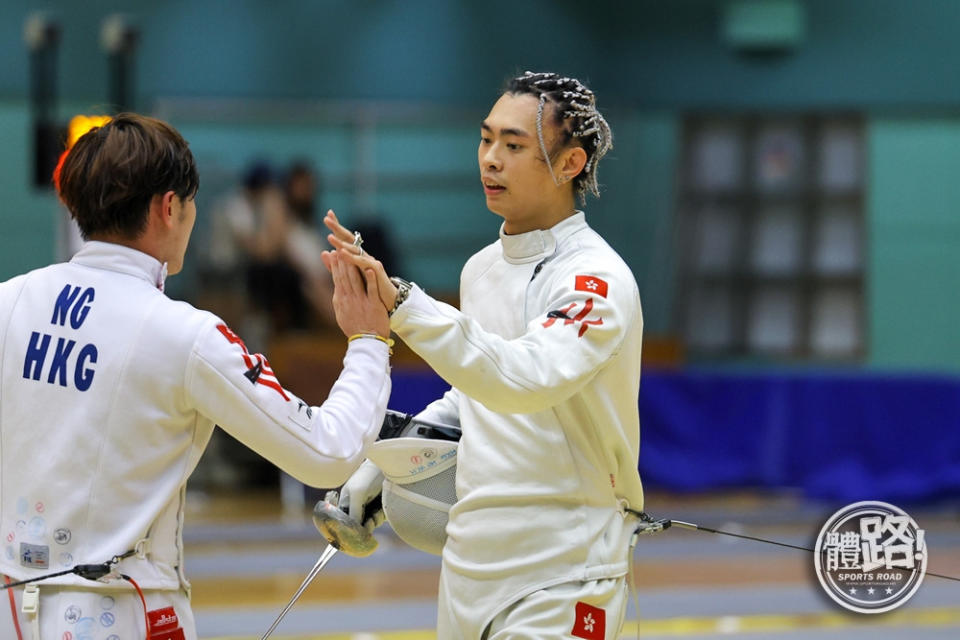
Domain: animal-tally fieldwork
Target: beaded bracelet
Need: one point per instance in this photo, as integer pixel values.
(387, 341)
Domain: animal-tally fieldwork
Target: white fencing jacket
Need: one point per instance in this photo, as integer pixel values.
(544, 361)
(109, 393)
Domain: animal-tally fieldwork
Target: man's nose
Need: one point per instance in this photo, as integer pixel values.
(491, 159)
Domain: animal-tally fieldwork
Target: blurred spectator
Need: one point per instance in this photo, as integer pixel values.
(304, 242)
(239, 217)
(250, 232)
(300, 190)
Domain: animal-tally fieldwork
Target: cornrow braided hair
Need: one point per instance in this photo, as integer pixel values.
(576, 115)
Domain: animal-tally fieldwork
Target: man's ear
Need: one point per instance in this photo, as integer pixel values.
(572, 163)
(161, 208)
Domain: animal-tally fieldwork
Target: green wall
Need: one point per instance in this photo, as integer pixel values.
(635, 212)
(650, 62)
(27, 217)
(659, 53)
(914, 242)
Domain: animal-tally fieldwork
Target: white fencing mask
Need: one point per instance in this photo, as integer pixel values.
(418, 488)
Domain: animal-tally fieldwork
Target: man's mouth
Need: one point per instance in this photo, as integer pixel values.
(492, 188)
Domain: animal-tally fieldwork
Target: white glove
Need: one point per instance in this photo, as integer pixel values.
(364, 485)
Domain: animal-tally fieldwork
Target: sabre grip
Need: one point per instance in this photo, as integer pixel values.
(371, 508)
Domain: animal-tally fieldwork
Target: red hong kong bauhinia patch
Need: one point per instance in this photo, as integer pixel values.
(592, 284)
(591, 622)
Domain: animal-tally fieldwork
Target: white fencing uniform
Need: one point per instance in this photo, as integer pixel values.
(544, 361)
(109, 393)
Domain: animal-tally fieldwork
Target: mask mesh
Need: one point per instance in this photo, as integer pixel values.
(418, 511)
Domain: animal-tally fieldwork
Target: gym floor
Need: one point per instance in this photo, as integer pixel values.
(246, 556)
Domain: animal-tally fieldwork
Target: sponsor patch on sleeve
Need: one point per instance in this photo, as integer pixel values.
(301, 414)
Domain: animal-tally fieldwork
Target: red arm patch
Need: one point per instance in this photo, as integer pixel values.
(581, 317)
(258, 368)
(591, 284)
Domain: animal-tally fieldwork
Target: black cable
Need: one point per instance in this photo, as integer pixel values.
(88, 571)
(697, 527)
(49, 575)
(690, 525)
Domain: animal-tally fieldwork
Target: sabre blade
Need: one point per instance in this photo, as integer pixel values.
(328, 553)
(342, 533)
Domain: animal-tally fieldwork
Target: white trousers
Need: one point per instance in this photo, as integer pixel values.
(593, 610)
(70, 613)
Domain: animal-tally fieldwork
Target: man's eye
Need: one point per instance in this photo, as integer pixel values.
(513, 146)
(484, 140)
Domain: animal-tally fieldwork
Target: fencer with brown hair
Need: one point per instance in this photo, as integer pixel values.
(110, 391)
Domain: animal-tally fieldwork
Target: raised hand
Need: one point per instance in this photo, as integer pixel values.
(356, 299)
(338, 230)
(343, 240)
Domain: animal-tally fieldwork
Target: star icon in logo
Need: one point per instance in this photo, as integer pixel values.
(588, 622)
(853, 590)
(889, 591)
(870, 590)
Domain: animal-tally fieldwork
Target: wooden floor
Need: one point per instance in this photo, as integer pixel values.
(247, 555)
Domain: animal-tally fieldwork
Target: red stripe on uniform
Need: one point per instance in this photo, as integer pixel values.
(275, 386)
(251, 361)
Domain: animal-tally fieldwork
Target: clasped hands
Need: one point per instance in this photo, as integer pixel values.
(342, 240)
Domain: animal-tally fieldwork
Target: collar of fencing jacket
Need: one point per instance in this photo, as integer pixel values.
(116, 257)
(539, 243)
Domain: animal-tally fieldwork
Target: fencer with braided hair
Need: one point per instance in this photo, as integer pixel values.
(543, 359)
(574, 112)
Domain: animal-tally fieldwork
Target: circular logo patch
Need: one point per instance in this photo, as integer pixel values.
(870, 557)
(72, 614)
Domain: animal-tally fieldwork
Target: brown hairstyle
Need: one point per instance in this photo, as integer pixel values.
(112, 172)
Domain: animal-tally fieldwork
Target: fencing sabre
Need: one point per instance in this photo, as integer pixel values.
(342, 533)
(650, 525)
